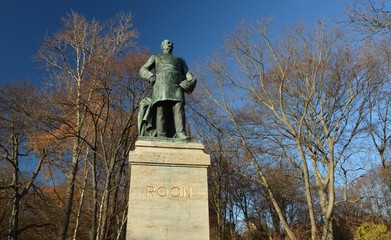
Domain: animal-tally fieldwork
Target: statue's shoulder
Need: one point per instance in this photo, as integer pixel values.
(153, 56)
(151, 59)
(180, 59)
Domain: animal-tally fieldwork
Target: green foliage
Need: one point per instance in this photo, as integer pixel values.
(371, 231)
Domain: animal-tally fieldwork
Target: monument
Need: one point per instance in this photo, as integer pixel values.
(164, 114)
(168, 196)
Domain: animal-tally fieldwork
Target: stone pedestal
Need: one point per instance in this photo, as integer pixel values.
(168, 197)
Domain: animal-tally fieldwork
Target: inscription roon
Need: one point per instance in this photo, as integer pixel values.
(176, 192)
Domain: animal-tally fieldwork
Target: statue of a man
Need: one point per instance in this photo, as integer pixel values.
(170, 78)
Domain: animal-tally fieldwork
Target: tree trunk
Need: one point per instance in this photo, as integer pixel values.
(14, 221)
(311, 210)
(80, 203)
(94, 199)
(70, 190)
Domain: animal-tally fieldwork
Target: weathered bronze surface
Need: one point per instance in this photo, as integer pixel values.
(163, 115)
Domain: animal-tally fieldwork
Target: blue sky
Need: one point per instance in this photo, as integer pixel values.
(196, 27)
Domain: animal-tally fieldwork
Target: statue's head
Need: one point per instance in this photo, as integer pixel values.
(167, 46)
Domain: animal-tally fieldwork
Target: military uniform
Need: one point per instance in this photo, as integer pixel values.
(170, 72)
(168, 96)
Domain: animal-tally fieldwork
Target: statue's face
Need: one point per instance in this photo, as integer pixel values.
(167, 46)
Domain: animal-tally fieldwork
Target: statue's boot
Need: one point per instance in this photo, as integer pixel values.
(181, 135)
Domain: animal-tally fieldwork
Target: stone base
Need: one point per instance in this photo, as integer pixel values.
(168, 197)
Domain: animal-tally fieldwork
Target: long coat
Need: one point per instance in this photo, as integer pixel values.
(170, 71)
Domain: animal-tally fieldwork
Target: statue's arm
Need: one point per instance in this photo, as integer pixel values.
(146, 69)
(189, 83)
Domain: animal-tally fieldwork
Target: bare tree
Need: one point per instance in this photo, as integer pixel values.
(20, 111)
(378, 120)
(76, 57)
(300, 98)
(116, 131)
(370, 17)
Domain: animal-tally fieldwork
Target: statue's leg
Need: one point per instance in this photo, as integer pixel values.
(160, 120)
(178, 111)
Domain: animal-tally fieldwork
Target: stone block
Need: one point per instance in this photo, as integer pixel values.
(168, 197)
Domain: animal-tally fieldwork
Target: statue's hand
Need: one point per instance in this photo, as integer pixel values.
(189, 76)
(188, 85)
(152, 79)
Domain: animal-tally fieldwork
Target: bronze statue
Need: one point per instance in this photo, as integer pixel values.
(164, 115)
